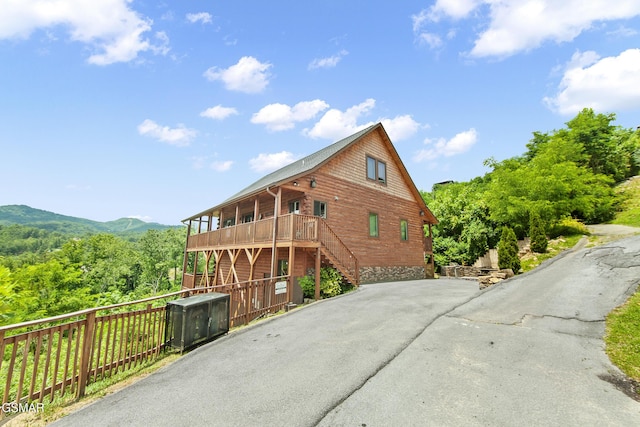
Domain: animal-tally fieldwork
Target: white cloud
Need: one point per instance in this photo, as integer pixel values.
(180, 136)
(400, 127)
(336, 124)
(279, 117)
(249, 75)
(270, 162)
(329, 62)
(432, 40)
(459, 144)
(520, 25)
(202, 17)
(218, 112)
(222, 166)
(113, 30)
(607, 84)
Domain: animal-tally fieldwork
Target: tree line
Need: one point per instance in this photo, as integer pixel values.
(45, 273)
(565, 178)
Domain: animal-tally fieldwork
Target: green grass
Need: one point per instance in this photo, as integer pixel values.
(630, 206)
(622, 338)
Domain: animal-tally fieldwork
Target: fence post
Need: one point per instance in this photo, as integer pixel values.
(249, 306)
(87, 344)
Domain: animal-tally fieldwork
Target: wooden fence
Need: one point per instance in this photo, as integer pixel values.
(63, 354)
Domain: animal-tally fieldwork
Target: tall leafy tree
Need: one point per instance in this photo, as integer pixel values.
(48, 289)
(155, 257)
(465, 230)
(552, 183)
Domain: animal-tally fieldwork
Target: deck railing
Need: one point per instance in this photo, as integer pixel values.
(290, 228)
(63, 354)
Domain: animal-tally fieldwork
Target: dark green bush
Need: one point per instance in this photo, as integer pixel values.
(568, 227)
(508, 250)
(539, 240)
(330, 283)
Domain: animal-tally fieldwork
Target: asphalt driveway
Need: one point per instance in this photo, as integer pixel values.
(525, 352)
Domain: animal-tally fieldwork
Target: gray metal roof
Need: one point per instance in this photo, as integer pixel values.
(298, 167)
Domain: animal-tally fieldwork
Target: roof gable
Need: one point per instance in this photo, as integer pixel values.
(316, 160)
(299, 167)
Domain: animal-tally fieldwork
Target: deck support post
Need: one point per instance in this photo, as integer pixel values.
(318, 255)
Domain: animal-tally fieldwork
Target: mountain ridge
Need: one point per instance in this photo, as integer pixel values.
(51, 221)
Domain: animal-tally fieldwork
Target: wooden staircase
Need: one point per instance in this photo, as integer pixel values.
(337, 254)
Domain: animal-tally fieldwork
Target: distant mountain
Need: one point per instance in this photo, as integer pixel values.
(38, 218)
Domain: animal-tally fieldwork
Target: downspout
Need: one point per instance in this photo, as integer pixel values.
(275, 231)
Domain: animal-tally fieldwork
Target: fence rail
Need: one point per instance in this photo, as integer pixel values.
(63, 354)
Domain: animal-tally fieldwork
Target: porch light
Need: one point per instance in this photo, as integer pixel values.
(313, 183)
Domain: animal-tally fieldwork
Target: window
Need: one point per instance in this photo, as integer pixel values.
(376, 170)
(404, 230)
(382, 172)
(320, 209)
(229, 222)
(247, 217)
(294, 207)
(373, 225)
(371, 168)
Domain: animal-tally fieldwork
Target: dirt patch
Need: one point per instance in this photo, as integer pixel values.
(628, 386)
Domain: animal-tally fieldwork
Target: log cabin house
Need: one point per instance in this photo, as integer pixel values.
(352, 205)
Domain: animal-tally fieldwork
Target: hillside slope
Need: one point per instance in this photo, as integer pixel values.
(26, 215)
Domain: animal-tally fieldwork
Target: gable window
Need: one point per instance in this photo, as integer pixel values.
(376, 170)
(373, 225)
(320, 209)
(404, 230)
(294, 207)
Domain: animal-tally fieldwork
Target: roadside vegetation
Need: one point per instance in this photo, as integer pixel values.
(622, 337)
(629, 193)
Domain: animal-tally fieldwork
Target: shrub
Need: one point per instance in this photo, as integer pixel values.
(508, 250)
(568, 227)
(539, 240)
(330, 283)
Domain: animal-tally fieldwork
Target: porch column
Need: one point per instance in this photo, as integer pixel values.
(292, 256)
(318, 255)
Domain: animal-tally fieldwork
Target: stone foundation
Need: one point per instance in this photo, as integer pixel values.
(461, 271)
(391, 274)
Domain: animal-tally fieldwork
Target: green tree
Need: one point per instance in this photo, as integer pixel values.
(156, 260)
(7, 313)
(48, 289)
(553, 184)
(539, 239)
(107, 262)
(508, 250)
(465, 230)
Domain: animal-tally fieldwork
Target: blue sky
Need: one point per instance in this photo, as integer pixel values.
(159, 110)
